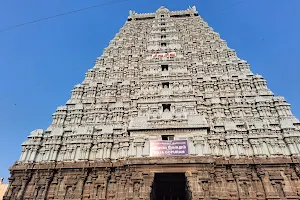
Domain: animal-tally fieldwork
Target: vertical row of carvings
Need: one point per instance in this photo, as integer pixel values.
(132, 183)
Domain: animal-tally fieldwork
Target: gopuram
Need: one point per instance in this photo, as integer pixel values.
(168, 112)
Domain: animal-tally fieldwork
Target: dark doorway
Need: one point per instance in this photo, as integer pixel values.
(169, 186)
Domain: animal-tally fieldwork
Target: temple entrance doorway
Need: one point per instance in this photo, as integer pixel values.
(169, 186)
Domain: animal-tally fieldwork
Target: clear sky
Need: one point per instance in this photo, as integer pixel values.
(40, 63)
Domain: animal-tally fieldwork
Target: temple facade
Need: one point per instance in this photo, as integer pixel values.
(168, 112)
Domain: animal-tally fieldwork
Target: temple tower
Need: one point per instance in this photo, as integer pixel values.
(168, 112)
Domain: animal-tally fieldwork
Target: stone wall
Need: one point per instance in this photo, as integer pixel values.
(207, 178)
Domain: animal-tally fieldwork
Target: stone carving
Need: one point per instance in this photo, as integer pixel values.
(224, 93)
(136, 189)
(137, 92)
(135, 181)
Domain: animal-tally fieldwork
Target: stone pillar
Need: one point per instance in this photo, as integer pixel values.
(80, 185)
(232, 186)
(104, 150)
(53, 155)
(224, 151)
(48, 181)
(259, 147)
(108, 150)
(60, 178)
(93, 153)
(191, 146)
(148, 179)
(114, 152)
(265, 148)
(199, 147)
(101, 149)
(68, 154)
(291, 146)
(254, 144)
(139, 148)
(40, 155)
(9, 191)
(258, 186)
(23, 154)
(283, 148)
(34, 150)
(25, 181)
(193, 186)
(268, 188)
(232, 147)
(131, 151)
(84, 152)
(61, 155)
(47, 153)
(287, 186)
(146, 149)
(28, 156)
(75, 152)
(121, 150)
(206, 150)
(297, 144)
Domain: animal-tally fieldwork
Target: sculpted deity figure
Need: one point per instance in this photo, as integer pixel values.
(205, 188)
(136, 189)
(244, 189)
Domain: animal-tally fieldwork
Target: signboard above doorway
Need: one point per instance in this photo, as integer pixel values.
(168, 148)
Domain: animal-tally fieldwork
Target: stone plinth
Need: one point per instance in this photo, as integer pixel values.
(207, 178)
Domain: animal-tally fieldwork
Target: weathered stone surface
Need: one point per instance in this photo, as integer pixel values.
(164, 73)
(213, 179)
(213, 99)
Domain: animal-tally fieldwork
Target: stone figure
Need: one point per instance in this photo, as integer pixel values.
(136, 189)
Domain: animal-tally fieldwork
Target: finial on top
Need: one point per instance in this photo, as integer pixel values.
(131, 12)
(193, 8)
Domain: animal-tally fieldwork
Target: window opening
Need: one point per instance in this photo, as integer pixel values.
(164, 67)
(165, 85)
(163, 36)
(166, 107)
(167, 137)
(163, 30)
(163, 44)
(162, 16)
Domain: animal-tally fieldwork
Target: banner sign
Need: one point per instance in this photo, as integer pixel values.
(169, 148)
(162, 55)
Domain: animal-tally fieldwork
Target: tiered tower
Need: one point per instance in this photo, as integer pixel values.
(167, 101)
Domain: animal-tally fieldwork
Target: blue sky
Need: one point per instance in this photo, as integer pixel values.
(40, 63)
